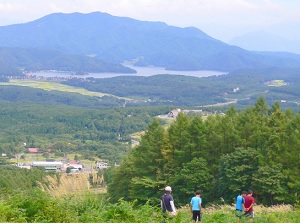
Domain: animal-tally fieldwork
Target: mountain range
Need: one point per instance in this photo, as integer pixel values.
(267, 41)
(113, 40)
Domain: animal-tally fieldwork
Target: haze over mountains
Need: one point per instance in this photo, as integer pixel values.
(116, 39)
(266, 41)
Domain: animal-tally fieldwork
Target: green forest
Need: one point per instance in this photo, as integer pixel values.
(257, 149)
(237, 148)
(91, 132)
(15, 60)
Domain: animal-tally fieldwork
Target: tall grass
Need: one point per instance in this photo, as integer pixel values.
(39, 207)
(273, 214)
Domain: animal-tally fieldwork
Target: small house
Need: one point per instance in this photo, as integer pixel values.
(33, 150)
(75, 165)
(101, 165)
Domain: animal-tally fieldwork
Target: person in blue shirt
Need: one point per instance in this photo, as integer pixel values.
(196, 207)
(239, 206)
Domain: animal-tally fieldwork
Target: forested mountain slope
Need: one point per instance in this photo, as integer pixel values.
(115, 39)
(14, 61)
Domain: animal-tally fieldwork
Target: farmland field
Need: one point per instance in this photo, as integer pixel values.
(51, 85)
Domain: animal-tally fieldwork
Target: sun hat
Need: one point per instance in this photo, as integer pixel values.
(168, 188)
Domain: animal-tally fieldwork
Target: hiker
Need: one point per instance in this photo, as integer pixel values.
(167, 204)
(249, 202)
(239, 206)
(196, 207)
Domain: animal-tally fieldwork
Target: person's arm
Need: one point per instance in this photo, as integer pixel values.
(172, 205)
(200, 206)
(191, 207)
(251, 204)
(247, 209)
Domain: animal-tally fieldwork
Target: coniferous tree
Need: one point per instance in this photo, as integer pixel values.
(121, 180)
(229, 132)
(196, 138)
(192, 177)
(275, 144)
(148, 163)
(271, 184)
(213, 139)
(260, 118)
(236, 171)
(138, 173)
(291, 159)
(247, 128)
(178, 136)
(168, 163)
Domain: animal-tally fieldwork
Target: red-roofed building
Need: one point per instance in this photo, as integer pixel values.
(33, 150)
(75, 164)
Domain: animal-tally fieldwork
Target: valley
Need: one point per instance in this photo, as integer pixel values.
(87, 137)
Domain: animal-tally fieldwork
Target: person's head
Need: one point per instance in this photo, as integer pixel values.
(244, 193)
(198, 193)
(250, 192)
(168, 189)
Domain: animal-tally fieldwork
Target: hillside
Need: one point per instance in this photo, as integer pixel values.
(92, 132)
(68, 184)
(116, 39)
(243, 86)
(14, 60)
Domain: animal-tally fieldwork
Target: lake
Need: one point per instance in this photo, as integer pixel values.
(141, 71)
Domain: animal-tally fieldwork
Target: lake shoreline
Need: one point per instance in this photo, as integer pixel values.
(141, 71)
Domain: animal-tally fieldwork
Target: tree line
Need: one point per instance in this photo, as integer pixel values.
(257, 149)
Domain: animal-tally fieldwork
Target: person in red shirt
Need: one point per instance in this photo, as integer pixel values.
(249, 202)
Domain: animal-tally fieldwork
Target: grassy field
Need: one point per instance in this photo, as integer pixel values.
(94, 207)
(52, 85)
(276, 83)
(226, 214)
(73, 200)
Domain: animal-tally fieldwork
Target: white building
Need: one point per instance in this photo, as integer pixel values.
(55, 165)
(101, 165)
(75, 165)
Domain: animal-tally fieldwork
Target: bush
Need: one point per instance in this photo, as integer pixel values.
(40, 207)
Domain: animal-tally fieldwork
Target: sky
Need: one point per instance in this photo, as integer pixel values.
(221, 19)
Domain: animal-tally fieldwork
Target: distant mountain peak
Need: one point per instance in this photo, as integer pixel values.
(116, 39)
